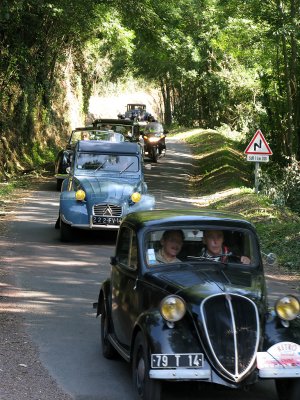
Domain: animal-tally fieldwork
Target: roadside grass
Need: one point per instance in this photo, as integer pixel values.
(223, 180)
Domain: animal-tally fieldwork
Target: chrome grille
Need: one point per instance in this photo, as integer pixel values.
(107, 210)
(231, 327)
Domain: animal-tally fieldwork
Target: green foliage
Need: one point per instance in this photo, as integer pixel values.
(217, 62)
(38, 156)
(282, 237)
(278, 227)
(282, 185)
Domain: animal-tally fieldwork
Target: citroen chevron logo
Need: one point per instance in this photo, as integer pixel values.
(108, 211)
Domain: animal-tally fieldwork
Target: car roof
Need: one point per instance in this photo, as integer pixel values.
(156, 218)
(84, 128)
(113, 121)
(96, 146)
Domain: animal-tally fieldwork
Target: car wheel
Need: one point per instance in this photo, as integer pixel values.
(288, 389)
(147, 388)
(58, 184)
(108, 350)
(66, 233)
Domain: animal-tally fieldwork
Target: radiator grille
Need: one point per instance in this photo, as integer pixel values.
(231, 326)
(107, 210)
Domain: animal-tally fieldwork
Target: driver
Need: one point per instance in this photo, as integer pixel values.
(171, 244)
(215, 249)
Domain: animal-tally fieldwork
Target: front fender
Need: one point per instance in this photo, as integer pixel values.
(103, 297)
(161, 339)
(73, 211)
(147, 202)
(275, 332)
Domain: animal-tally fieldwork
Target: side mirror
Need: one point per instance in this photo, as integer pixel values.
(113, 260)
(270, 258)
(68, 169)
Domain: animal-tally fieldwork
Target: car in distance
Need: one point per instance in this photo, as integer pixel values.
(105, 183)
(198, 318)
(135, 111)
(64, 156)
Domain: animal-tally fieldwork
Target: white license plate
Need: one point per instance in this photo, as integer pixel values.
(106, 220)
(186, 360)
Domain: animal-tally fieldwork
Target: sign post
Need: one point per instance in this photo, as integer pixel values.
(258, 151)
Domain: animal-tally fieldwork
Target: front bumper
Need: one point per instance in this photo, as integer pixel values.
(90, 225)
(181, 374)
(279, 373)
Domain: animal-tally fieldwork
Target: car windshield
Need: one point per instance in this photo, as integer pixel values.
(198, 245)
(107, 135)
(124, 130)
(99, 163)
(154, 127)
(136, 107)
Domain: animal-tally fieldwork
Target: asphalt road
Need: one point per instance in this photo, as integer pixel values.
(59, 282)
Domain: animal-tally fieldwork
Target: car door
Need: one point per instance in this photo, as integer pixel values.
(123, 279)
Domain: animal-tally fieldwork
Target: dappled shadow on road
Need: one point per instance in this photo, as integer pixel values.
(168, 180)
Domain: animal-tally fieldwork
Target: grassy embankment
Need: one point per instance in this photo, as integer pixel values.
(224, 180)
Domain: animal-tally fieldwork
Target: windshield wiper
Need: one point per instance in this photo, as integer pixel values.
(100, 166)
(123, 170)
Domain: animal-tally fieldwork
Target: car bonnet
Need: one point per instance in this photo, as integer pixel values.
(113, 188)
(195, 284)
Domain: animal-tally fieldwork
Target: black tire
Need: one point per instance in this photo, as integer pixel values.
(146, 388)
(58, 184)
(108, 350)
(288, 389)
(154, 154)
(66, 232)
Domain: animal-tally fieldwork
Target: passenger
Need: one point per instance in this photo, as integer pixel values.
(215, 248)
(85, 136)
(171, 244)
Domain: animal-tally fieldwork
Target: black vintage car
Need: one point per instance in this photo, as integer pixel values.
(196, 316)
(135, 112)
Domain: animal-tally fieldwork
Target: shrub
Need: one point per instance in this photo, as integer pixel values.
(282, 185)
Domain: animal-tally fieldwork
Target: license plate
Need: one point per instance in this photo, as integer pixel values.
(106, 220)
(188, 360)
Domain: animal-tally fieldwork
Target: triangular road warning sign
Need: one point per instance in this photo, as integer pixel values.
(258, 145)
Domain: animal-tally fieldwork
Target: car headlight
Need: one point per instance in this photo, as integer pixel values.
(172, 308)
(287, 308)
(80, 195)
(136, 197)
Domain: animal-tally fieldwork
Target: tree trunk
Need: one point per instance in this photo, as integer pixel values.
(166, 94)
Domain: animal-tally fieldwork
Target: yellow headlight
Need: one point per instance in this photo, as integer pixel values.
(80, 195)
(287, 308)
(136, 197)
(172, 308)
